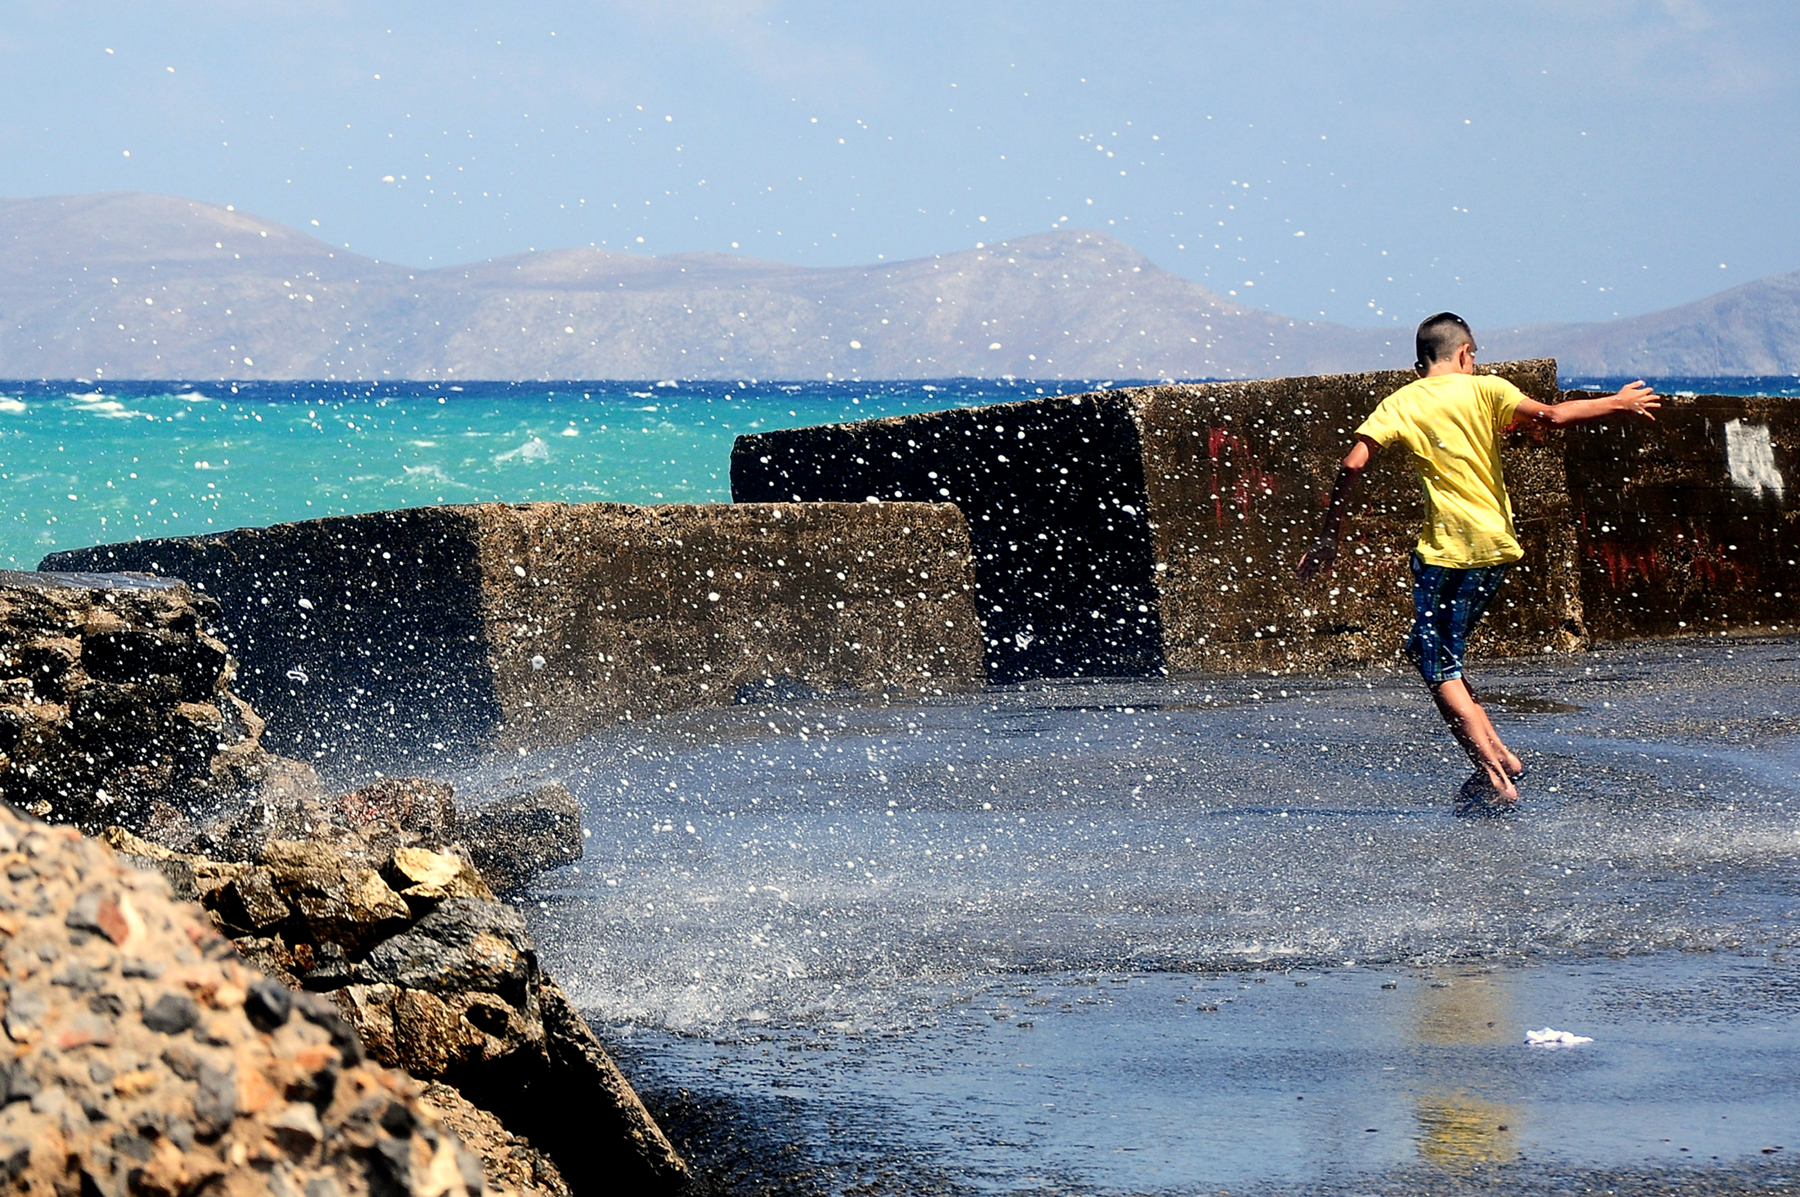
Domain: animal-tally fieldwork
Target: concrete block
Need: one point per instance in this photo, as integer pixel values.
(1237, 474)
(1691, 524)
(1054, 494)
(452, 630)
(1157, 528)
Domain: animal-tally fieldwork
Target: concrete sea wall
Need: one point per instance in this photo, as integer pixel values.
(1053, 490)
(1236, 475)
(1157, 528)
(1690, 525)
(1132, 531)
(461, 629)
(1126, 532)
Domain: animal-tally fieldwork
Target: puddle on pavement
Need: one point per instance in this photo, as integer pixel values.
(1526, 704)
(1178, 1083)
(969, 943)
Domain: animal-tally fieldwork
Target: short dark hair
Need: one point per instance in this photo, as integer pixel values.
(1440, 336)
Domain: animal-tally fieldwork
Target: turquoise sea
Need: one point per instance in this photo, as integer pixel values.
(85, 463)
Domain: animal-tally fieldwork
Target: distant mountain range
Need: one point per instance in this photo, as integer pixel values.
(134, 285)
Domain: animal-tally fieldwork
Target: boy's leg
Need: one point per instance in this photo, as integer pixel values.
(1447, 604)
(1514, 766)
(1475, 732)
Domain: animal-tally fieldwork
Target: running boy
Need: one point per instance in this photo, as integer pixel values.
(1450, 422)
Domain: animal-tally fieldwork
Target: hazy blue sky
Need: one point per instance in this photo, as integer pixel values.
(1517, 161)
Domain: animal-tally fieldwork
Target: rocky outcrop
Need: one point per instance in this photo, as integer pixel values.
(510, 834)
(512, 837)
(115, 701)
(144, 1057)
(369, 898)
(448, 631)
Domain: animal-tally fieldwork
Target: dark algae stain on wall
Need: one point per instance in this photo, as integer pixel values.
(1054, 493)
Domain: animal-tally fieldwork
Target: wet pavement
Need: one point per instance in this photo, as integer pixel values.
(1207, 933)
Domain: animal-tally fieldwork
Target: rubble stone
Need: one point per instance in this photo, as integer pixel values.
(433, 972)
(514, 837)
(143, 1057)
(413, 804)
(115, 702)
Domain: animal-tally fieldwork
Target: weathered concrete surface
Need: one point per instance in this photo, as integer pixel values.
(115, 704)
(1144, 529)
(1054, 493)
(458, 629)
(1237, 474)
(1690, 525)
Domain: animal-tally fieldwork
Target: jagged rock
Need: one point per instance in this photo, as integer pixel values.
(440, 1036)
(465, 944)
(108, 681)
(145, 1058)
(191, 878)
(511, 837)
(515, 837)
(331, 897)
(243, 833)
(596, 1099)
(115, 702)
(421, 877)
(285, 779)
(509, 1161)
(438, 978)
(413, 804)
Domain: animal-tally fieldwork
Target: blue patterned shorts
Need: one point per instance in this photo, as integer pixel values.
(1447, 604)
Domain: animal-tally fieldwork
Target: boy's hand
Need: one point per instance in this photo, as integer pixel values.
(1317, 558)
(1638, 399)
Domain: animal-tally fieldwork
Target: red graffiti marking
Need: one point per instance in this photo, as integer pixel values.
(1711, 565)
(1690, 554)
(1247, 478)
(1621, 563)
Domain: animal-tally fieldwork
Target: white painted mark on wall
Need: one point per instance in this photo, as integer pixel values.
(1751, 458)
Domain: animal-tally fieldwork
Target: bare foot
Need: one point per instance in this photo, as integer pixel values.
(1500, 780)
(1478, 797)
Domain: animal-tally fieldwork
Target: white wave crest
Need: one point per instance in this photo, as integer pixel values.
(532, 450)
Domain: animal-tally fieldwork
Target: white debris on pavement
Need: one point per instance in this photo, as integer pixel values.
(1554, 1038)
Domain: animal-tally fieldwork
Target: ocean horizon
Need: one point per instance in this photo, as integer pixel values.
(88, 462)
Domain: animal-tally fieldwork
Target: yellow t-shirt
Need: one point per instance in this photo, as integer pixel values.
(1451, 424)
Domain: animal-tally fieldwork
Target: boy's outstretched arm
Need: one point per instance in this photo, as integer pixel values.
(1324, 550)
(1638, 399)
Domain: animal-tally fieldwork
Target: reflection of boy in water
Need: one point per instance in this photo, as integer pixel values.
(1450, 422)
